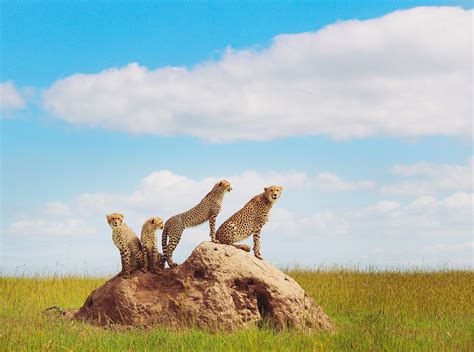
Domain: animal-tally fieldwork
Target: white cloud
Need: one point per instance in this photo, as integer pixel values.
(10, 98)
(296, 180)
(309, 236)
(450, 247)
(385, 207)
(448, 215)
(424, 203)
(459, 200)
(438, 254)
(57, 209)
(326, 222)
(424, 178)
(405, 74)
(295, 226)
(332, 182)
(48, 227)
(164, 193)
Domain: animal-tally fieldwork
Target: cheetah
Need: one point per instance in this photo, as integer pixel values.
(151, 257)
(127, 243)
(249, 220)
(207, 209)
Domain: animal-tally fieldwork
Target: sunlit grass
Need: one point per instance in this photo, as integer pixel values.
(373, 311)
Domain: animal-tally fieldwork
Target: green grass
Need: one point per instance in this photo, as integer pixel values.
(373, 311)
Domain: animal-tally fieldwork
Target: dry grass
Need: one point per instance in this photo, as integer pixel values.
(373, 311)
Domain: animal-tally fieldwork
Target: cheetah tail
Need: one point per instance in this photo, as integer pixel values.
(58, 309)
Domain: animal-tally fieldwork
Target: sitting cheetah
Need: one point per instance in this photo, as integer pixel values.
(249, 220)
(207, 209)
(151, 256)
(127, 243)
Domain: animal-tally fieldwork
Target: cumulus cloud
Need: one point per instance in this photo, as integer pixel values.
(47, 227)
(448, 215)
(332, 182)
(441, 255)
(10, 98)
(327, 223)
(451, 247)
(425, 178)
(405, 74)
(164, 193)
(57, 209)
(294, 226)
(385, 207)
(294, 232)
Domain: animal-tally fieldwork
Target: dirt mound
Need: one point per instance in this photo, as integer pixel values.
(218, 287)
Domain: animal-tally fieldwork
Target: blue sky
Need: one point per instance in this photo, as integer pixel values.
(366, 123)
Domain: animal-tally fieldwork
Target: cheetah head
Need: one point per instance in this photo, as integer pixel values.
(154, 223)
(273, 193)
(114, 219)
(224, 185)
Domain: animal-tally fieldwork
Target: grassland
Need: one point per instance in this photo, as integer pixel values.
(373, 311)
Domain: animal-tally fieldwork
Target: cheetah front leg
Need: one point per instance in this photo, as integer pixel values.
(164, 247)
(157, 263)
(125, 257)
(173, 241)
(145, 259)
(212, 225)
(141, 261)
(256, 243)
(137, 261)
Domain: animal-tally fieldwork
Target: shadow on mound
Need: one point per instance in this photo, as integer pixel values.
(217, 288)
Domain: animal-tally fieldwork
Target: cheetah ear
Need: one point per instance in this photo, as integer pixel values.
(121, 216)
(108, 217)
(266, 189)
(152, 221)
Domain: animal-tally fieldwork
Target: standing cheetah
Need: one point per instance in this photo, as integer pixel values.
(127, 243)
(151, 257)
(207, 209)
(249, 220)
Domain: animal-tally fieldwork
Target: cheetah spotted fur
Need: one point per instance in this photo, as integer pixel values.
(249, 221)
(152, 259)
(207, 210)
(127, 243)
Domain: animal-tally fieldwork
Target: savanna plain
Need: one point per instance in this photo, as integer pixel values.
(416, 310)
